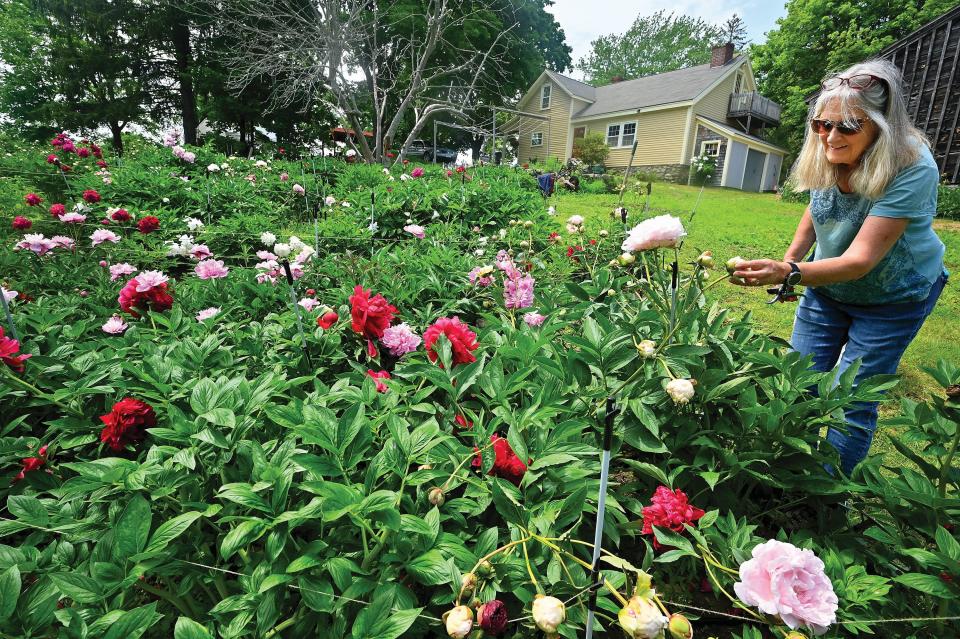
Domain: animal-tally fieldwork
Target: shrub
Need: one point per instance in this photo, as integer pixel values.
(592, 148)
(948, 201)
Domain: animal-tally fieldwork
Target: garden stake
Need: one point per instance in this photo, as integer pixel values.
(373, 221)
(696, 204)
(316, 212)
(306, 193)
(6, 311)
(646, 202)
(601, 506)
(208, 197)
(626, 173)
(296, 309)
(674, 280)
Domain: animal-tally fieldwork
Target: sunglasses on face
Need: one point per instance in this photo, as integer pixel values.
(824, 127)
(857, 82)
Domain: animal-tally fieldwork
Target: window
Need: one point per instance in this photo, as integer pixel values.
(710, 148)
(739, 83)
(629, 133)
(536, 139)
(545, 96)
(613, 135)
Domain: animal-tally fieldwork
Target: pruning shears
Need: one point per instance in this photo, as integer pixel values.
(783, 293)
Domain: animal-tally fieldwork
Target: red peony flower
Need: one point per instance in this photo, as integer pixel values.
(311, 292)
(31, 463)
(84, 153)
(32, 199)
(53, 159)
(492, 617)
(463, 422)
(90, 196)
(97, 152)
(101, 164)
(506, 464)
(126, 423)
(377, 376)
(9, 348)
(449, 173)
(327, 320)
(370, 316)
(668, 509)
(121, 215)
(21, 223)
(593, 242)
(462, 339)
(148, 224)
(156, 299)
(391, 154)
(56, 210)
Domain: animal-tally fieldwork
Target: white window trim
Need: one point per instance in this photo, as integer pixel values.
(620, 144)
(546, 85)
(703, 148)
(535, 133)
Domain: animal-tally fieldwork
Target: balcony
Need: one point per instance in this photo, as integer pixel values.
(753, 109)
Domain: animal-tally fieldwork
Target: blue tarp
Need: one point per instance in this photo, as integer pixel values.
(546, 182)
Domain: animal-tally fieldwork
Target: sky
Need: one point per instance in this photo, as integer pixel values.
(586, 20)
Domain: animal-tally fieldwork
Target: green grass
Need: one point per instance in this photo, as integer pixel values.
(754, 225)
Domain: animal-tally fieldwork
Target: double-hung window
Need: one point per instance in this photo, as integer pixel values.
(629, 133)
(621, 134)
(545, 91)
(613, 135)
(536, 139)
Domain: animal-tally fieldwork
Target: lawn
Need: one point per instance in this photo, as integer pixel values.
(754, 225)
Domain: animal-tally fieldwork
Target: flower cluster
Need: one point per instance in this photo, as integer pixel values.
(147, 291)
(187, 156)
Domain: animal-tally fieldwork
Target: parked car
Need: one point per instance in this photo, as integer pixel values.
(443, 154)
(418, 148)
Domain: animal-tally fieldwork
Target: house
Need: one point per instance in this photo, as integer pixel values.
(711, 109)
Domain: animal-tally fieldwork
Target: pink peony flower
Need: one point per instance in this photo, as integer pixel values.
(415, 230)
(115, 325)
(73, 218)
(308, 303)
(103, 235)
(284, 176)
(657, 232)
(417, 172)
(37, 243)
(207, 313)
(83, 152)
(781, 579)
(534, 319)
(518, 291)
(53, 159)
(266, 255)
(299, 190)
(62, 241)
(8, 295)
(120, 270)
(149, 280)
(200, 252)
(211, 270)
(104, 263)
(400, 340)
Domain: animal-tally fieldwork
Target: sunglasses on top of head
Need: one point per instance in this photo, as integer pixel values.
(823, 127)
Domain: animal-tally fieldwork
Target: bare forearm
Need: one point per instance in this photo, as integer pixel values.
(831, 271)
(803, 239)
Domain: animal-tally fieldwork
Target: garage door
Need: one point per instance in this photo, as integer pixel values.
(753, 172)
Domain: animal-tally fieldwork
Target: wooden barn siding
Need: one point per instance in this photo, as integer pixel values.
(929, 60)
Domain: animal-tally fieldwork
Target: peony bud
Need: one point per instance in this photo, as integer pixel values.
(548, 613)
(524, 244)
(680, 391)
(513, 222)
(611, 293)
(647, 348)
(626, 259)
(103, 263)
(680, 627)
(706, 259)
(734, 263)
(467, 584)
(604, 233)
(492, 617)
(435, 496)
(459, 622)
(641, 619)
(485, 568)
(281, 250)
(613, 263)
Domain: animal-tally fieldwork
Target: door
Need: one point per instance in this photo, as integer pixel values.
(753, 172)
(579, 132)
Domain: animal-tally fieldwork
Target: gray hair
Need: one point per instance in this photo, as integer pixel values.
(896, 147)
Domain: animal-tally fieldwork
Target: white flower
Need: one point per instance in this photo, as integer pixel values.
(551, 211)
(166, 200)
(193, 223)
(548, 613)
(295, 243)
(305, 254)
(282, 250)
(350, 153)
(647, 348)
(641, 619)
(372, 227)
(329, 200)
(268, 238)
(502, 233)
(386, 171)
(680, 391)
(656, 232)
(576, 220)
(479, 252)
(404, 177)
(345, 204)
(8, 295)
(213, 168)
(260, 164)
(435, 216)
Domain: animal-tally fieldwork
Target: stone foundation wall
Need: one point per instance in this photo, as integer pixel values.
(664, 172)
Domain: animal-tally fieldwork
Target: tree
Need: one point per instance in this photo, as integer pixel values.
(735, 31)
(827, 35)
(653, 44)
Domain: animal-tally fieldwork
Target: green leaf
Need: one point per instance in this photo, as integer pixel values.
(167, 532)
(429, 568)
(243, 494)
(674, 540)
(221, 417)
(929, 584)
(553, 459)
(133, 528)
(28, 508)
(396, 623)
(243, 534)
(80, 588)
(9, 591)
(133, 623)
(650, 470)
(947, 543)
(187, 628)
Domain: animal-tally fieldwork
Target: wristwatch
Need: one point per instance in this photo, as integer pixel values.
(794, 277)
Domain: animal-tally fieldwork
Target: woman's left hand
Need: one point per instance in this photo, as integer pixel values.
(760, 273)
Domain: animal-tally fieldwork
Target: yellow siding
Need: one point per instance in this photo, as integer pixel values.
(555, 133)
(660, 134)
(715, 104)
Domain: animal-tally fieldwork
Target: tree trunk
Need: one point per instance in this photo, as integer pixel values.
(115, 131)
(183, 55)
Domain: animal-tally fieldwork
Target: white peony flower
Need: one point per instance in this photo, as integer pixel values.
(680, 391)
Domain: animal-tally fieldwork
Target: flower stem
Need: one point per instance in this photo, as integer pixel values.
(947, 463)
(39, 393)
(526, 560)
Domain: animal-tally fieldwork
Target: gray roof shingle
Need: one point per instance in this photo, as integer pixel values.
(652, 90)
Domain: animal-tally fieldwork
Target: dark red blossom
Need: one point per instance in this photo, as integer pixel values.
(21, 223)
(32, 199)
(668, 509)
(492, 617)
(91, 196)
(84, 153)
(31, 464)
(53, 159)
(506, 464)
(101, 164)
(9, 349)
(126, 423)
(121, 215)
(56, 210)
(148, 224)
(463, 422)
(155, 299)
(462, 340)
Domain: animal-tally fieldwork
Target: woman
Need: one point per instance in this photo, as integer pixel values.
(877, 269)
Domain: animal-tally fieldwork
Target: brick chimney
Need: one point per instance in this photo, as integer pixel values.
(722, 54)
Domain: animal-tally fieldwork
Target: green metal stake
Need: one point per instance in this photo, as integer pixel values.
(6, 311)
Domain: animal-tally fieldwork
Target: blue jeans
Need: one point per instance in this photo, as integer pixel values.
(877, 335)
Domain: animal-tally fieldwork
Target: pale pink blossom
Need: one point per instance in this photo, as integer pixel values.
(576, 220)
(211, 269)
(103, 235)
(400, 340)
(415, 230)
(72, 218)
(657, 232)
(200, 252)
(308, 303)
(299, 190)
(329, 200)
(207, 313)
(266, 255)
(150, 279)
(534, 319)
(518, 292)
(8, 295)
(284, 176)
(781, 579)
(480, 276)
(37, 243)
(115, 325)
(189, 157)
(120, 270)
(62, 241)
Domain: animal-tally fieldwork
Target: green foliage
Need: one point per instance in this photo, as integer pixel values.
(592, 149)
(653, 44)
(948, 201)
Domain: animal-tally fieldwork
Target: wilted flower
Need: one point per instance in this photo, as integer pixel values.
(642, 619)
(656, 232)
(680, 390)
(207, 313)
(781, 579)
(400, 340)
(548, 613)
(103, 235)
(458, 622)
(114, 326)
(211, 269)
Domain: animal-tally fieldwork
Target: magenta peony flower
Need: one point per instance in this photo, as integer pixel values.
(115, 325)
(781, 579)
(53, 159)
(211, 270)
(120, 270)
(415, 230)
(400, 340)
(21, 223)
(417, 172)
(103, 235)
(657, 232)
(56, 210)
(518, 291)
(32, 199)
(207, 313)
(37, 243)
(534, 319)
